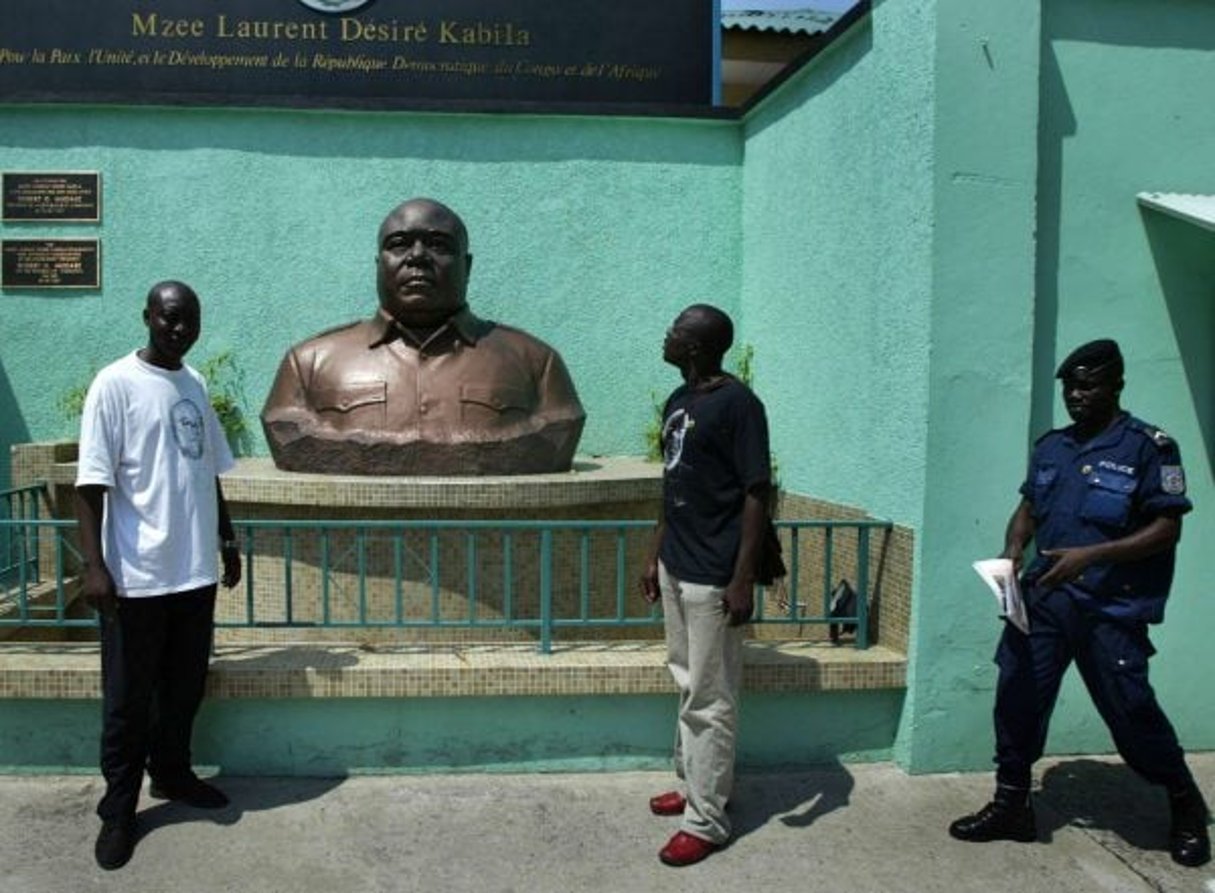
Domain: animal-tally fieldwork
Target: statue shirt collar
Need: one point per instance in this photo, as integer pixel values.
(463, 324)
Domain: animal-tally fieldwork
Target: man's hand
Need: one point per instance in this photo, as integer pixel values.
(1069, 564)
(97, 587)
(738, 603)
(1016, 554)
(96, 584)
(649, 582)
(231, 556)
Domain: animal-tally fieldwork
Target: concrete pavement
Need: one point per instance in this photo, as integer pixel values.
(843, 828)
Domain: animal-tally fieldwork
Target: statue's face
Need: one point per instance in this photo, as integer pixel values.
(423, 263)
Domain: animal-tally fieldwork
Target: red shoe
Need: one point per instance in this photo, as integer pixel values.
(670, 803)
(685, 849)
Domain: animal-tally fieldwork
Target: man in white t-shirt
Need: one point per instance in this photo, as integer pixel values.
(152, 516)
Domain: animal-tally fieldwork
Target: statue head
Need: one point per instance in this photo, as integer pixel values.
(422, 263)
(358, 399)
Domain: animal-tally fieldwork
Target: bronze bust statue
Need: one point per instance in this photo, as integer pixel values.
(424, 387)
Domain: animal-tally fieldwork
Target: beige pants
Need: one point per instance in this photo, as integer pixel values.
(704, 654)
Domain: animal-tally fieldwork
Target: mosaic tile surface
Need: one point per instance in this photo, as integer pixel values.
(315, 670)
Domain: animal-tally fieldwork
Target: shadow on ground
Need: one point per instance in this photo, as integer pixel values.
(246, 795)
(1103, 796)
(799, 800)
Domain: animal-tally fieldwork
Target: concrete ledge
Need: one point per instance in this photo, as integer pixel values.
(592, 481)
(72, 671)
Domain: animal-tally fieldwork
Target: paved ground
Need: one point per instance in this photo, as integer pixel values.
(848, 828)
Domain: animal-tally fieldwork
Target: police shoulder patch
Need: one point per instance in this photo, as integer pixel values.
(1172, 479)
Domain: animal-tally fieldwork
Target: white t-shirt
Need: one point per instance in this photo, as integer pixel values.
(151, 437)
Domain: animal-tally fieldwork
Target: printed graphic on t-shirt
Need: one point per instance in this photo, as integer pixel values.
(188, 428)
(674, 430)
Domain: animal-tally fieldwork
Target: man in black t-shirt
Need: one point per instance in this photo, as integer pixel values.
(702, 565)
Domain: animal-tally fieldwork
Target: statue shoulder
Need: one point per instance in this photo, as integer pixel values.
(516, 336)
(335, 333)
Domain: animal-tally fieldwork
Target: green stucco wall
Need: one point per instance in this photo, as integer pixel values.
(506, 734)
(591, 233)
(912, 231)
(888, 219)
(985, 69)
(915, 204)
(1127, 92)
(837, 270)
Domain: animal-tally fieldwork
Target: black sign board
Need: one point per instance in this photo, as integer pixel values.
(62, 197)
(51, 263)
(358, 53)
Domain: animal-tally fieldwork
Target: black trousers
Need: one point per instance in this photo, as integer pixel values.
(1112, 657)
(154, 657)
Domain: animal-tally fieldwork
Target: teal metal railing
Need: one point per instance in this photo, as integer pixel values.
(19, 538)
(25, 598)
(540, 578)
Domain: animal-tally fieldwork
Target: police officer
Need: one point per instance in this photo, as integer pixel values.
(1103, 501)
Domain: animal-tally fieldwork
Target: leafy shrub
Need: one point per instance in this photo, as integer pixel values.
(225, 386)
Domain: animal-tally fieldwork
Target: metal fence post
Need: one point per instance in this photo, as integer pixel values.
(546, 591)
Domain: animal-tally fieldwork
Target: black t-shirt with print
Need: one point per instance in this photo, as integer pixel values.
(715, 446)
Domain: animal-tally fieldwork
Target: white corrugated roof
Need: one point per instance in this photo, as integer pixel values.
(1199, 209)
(790, 21)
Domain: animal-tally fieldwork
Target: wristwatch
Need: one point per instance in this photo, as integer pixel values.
(230, 544)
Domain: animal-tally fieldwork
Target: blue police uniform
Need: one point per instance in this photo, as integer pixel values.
(1083, 493)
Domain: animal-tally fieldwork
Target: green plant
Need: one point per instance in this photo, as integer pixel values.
(744, 371)
(744, 365)
(226, 387)
(71, 401)
(653, 430)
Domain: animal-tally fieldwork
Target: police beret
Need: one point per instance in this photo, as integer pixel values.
(1091, 357)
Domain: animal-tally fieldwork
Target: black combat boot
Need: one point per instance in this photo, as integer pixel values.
(1009, 816)
(1189, 843)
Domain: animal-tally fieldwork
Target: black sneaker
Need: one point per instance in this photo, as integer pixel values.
(1189, 842)
(192, 791)
(998, 821)
(115, 843)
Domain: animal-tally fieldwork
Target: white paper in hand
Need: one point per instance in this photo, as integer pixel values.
(999, 576)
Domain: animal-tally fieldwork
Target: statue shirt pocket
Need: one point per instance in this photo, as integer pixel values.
(354, 404)
(494, 403)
